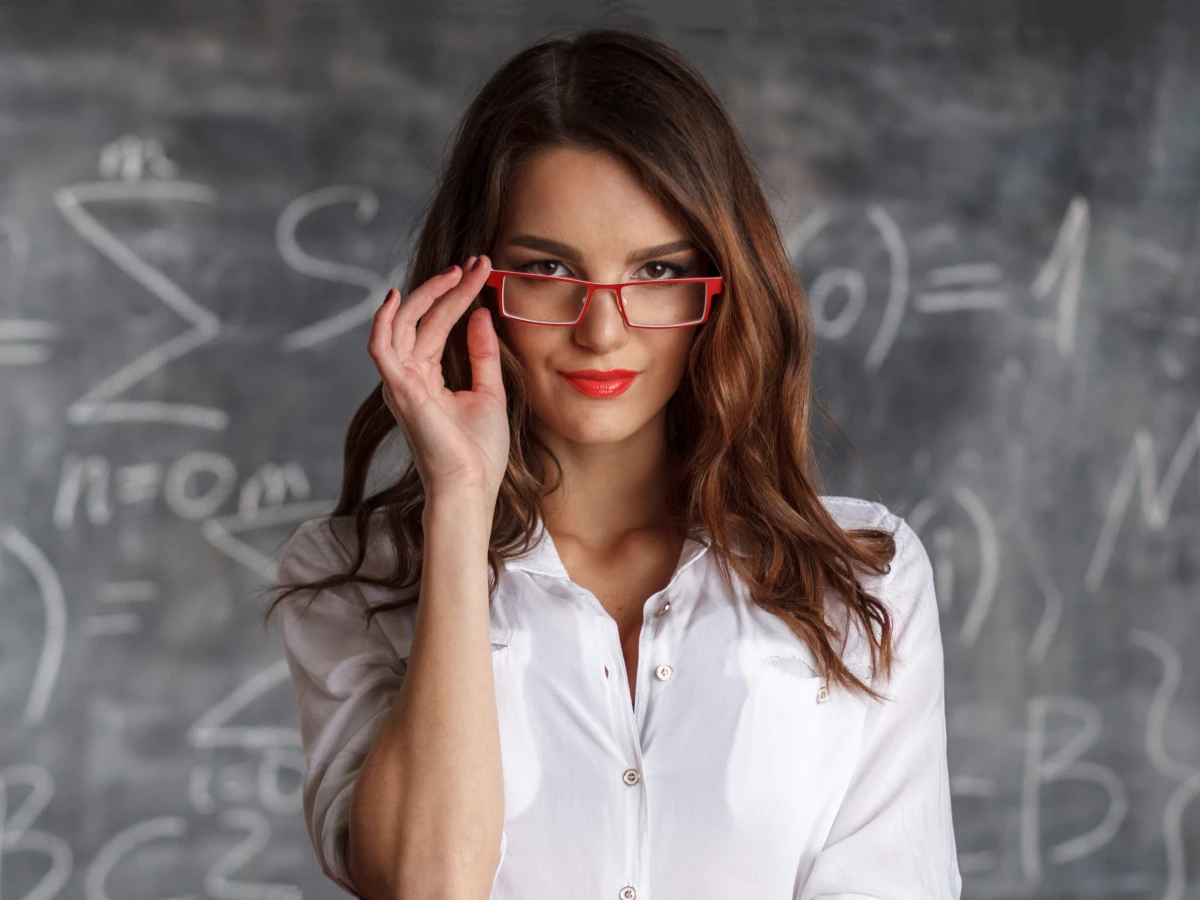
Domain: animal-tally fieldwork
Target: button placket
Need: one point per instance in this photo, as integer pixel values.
(628, 721)
(663, 672)
(632, 776)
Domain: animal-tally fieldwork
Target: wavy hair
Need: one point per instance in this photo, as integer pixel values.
(738, 426)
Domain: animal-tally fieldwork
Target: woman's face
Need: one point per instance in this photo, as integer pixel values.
(601, 221)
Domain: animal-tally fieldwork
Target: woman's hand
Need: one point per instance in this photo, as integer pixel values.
(458, 439)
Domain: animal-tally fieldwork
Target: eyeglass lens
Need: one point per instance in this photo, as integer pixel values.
(560, 302)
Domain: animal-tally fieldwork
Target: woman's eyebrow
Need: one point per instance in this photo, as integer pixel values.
(566, 251)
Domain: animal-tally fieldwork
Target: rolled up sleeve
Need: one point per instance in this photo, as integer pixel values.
(346, 676)
(893, 836)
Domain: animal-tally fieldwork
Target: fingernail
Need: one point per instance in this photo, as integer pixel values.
(390, 292)
(448, 269)
(472, 263)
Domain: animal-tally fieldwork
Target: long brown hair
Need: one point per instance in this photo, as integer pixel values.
(738, 426)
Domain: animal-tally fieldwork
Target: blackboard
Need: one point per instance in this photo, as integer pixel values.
(993, 206)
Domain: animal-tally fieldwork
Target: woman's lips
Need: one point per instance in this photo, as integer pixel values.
(594, 387)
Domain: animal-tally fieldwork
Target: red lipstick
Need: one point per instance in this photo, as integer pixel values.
(600, 382)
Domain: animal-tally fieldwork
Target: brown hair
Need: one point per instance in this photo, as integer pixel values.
(737, 426)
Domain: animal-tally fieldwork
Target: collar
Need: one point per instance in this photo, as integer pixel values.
(542, 558)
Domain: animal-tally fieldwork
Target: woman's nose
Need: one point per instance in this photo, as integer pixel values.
(598, 298)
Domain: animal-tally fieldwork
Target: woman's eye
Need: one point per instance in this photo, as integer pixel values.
(656, 268)
(536, 267)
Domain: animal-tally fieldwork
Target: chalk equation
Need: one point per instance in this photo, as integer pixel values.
(1071, 692)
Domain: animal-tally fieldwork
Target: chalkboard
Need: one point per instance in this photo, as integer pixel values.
(993, 207)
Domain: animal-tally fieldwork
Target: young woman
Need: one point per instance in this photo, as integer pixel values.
(604, 637)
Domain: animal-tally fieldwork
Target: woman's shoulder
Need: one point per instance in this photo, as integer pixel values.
(330, 543)
(907, 587)
(854, 512)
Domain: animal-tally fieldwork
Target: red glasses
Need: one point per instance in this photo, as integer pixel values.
(550, 300)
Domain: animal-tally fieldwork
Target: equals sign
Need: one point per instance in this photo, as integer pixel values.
(120, 623)
(970, 286)
(22, 341)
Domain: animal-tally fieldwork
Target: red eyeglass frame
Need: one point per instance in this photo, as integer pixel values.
(714, 285)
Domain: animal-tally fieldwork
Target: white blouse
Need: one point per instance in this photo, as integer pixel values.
(735, 773)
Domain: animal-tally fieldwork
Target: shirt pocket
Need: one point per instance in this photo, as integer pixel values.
(798, 741)
(798, 669)
(797, 665)
(788, 656)
(790, 685)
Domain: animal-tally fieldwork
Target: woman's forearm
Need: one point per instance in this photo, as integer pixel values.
(427, 810)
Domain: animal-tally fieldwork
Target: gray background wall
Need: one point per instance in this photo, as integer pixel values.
(993, 206)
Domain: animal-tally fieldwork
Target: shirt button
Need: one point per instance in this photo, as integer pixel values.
(664, 672)
(628, 893)
(822, 694)
(666, 605)
(632, 776)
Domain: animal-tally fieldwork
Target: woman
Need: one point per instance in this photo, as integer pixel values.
(671, 668)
